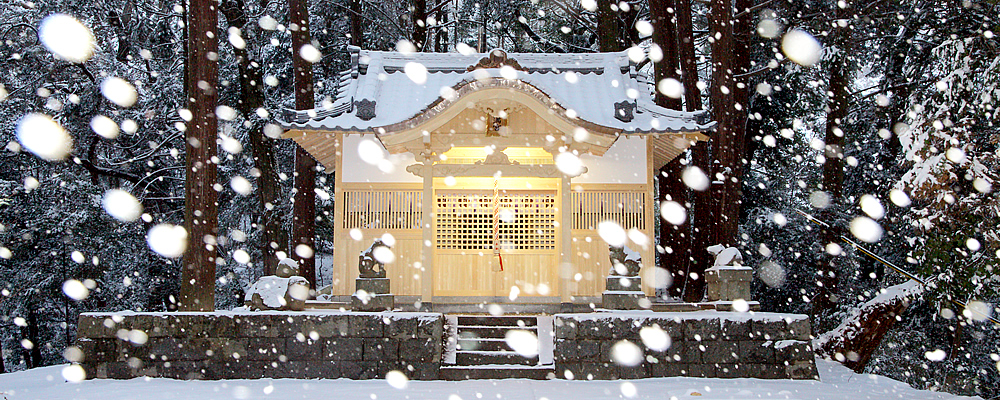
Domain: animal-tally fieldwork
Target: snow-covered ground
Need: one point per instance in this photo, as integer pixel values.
(837, 383)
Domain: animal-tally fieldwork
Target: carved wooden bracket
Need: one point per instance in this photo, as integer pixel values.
(498, 58)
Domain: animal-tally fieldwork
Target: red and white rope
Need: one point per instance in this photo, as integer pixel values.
(496, 220)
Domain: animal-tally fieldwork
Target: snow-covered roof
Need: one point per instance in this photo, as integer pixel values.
(391, 89)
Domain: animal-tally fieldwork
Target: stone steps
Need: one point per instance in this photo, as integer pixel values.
(481, 351)
(488, 357)
(459, 373)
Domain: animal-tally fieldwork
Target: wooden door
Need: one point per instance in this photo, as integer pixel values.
(464, 263)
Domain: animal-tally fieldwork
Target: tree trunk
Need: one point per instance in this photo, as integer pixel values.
(696, 257)
(441, 38)
(357, 29)
(686, 55)
(36, 349)
(269, 187)
(419, 19)
(197, 291)
(665, 36)
(723, 138)
(701, 228)
(826, 296)
(607, 27)
(304, 202)
(860, 335)
(3, 367)
(743, 33)
(674, 240)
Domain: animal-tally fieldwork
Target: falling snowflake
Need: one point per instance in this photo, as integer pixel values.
(523, 342)
(44, 137)
(801, 47)
(104, 126)
(569, 164)
(417, 72)
(695, 178)
(122, 205)
(612, 233)
(75, 290)
(167, 240)
(67, 38)
(626, 353)
(119, 91)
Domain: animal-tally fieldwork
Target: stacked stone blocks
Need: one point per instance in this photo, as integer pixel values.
(768, 348)
(259, 345)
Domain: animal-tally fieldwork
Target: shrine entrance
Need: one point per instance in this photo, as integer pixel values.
(524, 222)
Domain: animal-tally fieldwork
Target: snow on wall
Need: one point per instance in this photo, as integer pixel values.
(689, 315)
(357, 170)
(625, 162)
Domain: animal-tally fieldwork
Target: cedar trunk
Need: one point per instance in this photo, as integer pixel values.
(304, 202)
(724, 137)
(197, 290)
(833, 169)
(696, 258)
(859, 337)
(357, 30)
(608, 30)
(686, 56)
(269, 188)
(419, 20)
(665, 36)
(675, 241)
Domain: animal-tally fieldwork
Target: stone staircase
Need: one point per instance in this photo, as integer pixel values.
(479, 349)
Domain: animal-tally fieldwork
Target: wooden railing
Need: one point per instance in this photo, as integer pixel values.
(624, 207)
(382, 209)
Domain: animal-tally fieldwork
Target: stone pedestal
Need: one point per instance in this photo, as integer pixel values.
(728, 283)
(372, 294)
(623, 293)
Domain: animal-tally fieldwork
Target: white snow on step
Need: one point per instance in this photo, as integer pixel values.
(837, 383)
(499, 366)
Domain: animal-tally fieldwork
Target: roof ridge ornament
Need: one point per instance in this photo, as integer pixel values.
(497, 58)
(366, 109)
(625, 110)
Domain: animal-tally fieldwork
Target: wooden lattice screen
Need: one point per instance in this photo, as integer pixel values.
(397, 209)
(465, 221)
(592, 207)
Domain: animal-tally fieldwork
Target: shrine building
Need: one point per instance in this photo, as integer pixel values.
(459, 157)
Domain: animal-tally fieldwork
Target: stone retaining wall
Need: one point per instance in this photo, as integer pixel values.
(703, 344)
(233, 345)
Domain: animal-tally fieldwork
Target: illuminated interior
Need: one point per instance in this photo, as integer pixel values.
(521, 155)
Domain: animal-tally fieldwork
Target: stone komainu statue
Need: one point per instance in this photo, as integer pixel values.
(367, 263)
(624, 261)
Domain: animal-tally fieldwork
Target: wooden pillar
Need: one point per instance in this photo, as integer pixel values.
(197, 291)
(427, 220)
(565, 239)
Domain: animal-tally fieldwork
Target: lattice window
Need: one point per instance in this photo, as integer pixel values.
(398, 209)
(592, 207)
(465, 221)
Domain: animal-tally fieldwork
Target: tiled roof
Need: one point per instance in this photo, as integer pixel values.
(585, 86)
